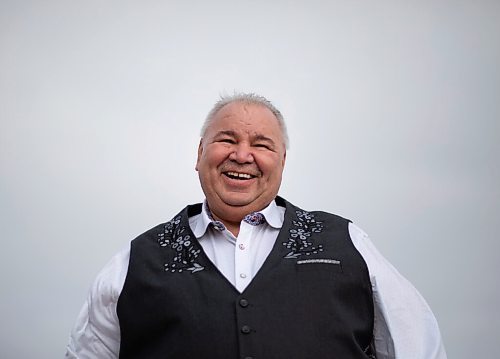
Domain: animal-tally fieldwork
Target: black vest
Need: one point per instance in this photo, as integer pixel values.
(311, 298)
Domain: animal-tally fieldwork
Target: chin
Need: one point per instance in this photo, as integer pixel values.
(253, 203)
(237, 202)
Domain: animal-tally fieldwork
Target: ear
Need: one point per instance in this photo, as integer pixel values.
(284, 160)
(200, 151)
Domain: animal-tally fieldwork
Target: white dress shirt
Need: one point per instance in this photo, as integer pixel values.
(404, 326)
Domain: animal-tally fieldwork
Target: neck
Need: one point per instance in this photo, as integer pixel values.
(231, 222)
(231, 216)
(233, 227)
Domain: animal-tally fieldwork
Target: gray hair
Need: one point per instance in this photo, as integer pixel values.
(246, 98)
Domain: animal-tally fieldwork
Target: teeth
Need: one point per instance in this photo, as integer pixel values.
(239, 175)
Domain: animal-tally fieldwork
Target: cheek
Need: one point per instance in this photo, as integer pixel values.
(214, 156)
(272, 166)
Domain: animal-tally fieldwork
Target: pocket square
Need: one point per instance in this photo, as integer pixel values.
(318, 261)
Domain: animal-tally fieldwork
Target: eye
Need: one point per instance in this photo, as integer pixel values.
(226, 140)
(262, 145)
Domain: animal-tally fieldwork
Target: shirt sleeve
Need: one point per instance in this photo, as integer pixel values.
(96, 333)
(404, 325)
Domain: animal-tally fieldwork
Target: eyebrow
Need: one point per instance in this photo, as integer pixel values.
(226, 133)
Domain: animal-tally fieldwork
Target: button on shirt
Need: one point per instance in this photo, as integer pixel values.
(404, 326)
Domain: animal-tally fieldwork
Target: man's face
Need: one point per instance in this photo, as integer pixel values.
(241, 160)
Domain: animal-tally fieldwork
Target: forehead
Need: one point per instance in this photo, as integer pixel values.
(245, 117)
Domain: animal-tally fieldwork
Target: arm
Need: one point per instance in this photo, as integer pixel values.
(96, 334)
(404, 327)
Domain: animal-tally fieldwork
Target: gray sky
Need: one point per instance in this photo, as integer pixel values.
(393, 110)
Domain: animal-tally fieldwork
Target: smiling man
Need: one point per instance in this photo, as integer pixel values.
(246, 274)
(240, 161)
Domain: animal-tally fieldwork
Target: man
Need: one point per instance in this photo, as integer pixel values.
(247, 274)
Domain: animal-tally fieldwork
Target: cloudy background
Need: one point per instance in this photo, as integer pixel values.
(393, 109)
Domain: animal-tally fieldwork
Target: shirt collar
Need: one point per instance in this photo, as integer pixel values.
(272, 214)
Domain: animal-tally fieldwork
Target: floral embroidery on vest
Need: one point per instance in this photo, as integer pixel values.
(299, 242)
(179, 241)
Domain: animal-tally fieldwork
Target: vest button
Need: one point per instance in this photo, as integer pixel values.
(245, 329)
(243, 303)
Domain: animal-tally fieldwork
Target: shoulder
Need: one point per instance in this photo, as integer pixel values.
(178, 222)
(330, 217)
(152, 233)
(109, 282)
(316, 217)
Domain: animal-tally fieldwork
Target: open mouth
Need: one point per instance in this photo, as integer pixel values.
(238, 175)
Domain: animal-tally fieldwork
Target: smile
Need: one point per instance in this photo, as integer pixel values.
(238, 175)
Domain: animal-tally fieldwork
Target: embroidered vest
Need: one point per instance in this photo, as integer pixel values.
(310, 299)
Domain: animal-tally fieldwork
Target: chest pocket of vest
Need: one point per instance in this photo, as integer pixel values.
(313, 265)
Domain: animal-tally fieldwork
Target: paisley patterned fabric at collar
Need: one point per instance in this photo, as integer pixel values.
(254, 218)
(218, 225)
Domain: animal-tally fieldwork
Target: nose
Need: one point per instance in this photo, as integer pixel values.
(242, 153)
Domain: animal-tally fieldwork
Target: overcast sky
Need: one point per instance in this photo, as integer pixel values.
(393, 110)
